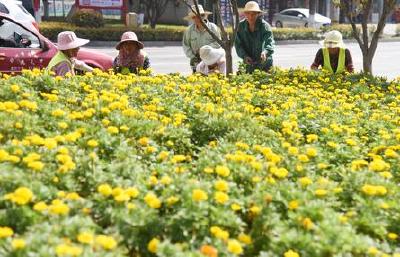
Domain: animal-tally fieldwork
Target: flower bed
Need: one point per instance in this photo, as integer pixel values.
(289, 164)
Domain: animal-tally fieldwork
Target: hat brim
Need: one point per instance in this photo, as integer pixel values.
(140, 44)
(75, 44)
(218, 53)
(192, 15)
(242, 10)
(332, 44)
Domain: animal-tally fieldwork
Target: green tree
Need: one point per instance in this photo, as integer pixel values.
(363, 8)
(154, 10)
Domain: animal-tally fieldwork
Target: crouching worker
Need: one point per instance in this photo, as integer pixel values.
(333, 57)
(212, 60)
(131, 57)
(65, 60)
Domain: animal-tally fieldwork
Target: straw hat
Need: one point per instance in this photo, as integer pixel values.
(210, 55)
(333, 39)
(129, 36)
(252, 6)
(191, 14)
(68, 40)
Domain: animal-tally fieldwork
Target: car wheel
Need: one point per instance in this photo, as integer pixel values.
(306, 25)
(279, 24)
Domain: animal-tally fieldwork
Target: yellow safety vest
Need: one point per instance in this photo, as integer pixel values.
(341, 62)
(58, 58)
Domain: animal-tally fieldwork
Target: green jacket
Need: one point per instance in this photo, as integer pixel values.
(252, 44)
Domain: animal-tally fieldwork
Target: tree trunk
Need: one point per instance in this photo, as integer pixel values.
(46, 9)
(229, 60)
(311, 18)
(367, 63)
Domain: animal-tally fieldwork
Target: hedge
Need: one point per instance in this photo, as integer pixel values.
(173, 33)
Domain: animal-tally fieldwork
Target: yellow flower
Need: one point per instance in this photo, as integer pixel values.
(222, 171)
(85, 238)
(379, 165)
(18, 243)
(311, 152)
(307, 223)
(245, 239)
(15, 88)
(235, 207)
(303, 158)
(172, 200)
(36, 165)
(132, 192)
(374, 190)
(153, 245)
(21, 196)
(58, 208)
(221, 185)
(293, 150)
(107, 242)
(393, 236)
(221, 197)
(312, 138)
(104, 189)
(305, 181)
(92, 143)
(152, 200)
(235, 247)
(208, 170)
(6, 232)
(293, 205)
(68, 250)
(40, 206)
(144, 141)
(255, 210)
(279, 172)
(199, 195)
(321, 192)
(291, 253)
(112, 130)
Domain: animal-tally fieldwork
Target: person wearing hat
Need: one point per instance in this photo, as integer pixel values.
(254, 41)
(65, 60)
(212, 60)
(333, 57)
(131, 57)
(197, 36)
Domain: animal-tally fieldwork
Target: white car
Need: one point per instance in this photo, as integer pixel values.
(298, 17)
(15, 9)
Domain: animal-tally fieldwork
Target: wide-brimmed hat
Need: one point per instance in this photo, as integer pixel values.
(129, 36)
(333, 39)
(210, 55)
(252, 6)
(191, 14)
(68, 40)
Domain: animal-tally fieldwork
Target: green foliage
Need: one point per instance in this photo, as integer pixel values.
(87, 18)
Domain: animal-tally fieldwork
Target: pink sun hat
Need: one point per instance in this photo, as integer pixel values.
(68, 40)
(129, 36)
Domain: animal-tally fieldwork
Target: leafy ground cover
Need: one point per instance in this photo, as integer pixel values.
(288, 164)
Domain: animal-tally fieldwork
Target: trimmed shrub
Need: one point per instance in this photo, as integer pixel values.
(87, 18)
(175, 33)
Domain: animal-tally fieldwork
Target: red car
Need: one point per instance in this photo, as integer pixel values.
(23, 47)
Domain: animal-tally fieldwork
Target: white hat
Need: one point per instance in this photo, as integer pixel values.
(191, 14)
(129, 36)
(210, 55)
(252, 6)
(68, 40)
(333, 39)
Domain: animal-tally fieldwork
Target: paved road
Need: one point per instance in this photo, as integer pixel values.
(172, 59)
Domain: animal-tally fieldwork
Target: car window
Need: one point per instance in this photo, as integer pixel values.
(290, 13)
(13, 35)
(3, 9)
